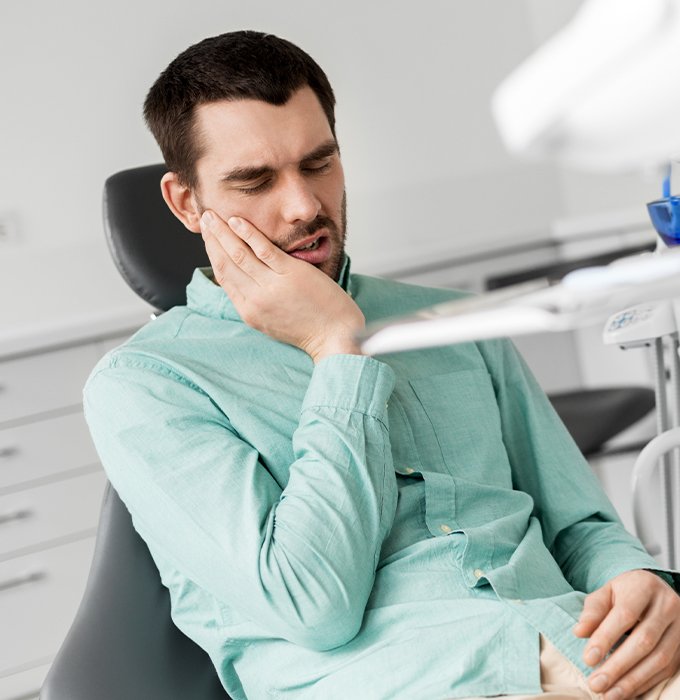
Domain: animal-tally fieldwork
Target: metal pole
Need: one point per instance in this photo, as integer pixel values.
(674, 481)
(662, 422)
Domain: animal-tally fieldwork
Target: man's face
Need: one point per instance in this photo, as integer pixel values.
(279, 168)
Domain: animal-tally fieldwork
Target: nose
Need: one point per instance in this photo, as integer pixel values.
(298, 200)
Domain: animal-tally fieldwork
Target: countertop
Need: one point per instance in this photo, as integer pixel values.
(61, 297)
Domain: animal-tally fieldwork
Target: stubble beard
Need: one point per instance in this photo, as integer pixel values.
(338, 236)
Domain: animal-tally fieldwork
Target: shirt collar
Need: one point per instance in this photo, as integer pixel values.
(209, 299)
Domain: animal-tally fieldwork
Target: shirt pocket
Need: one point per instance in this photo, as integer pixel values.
(460, 412)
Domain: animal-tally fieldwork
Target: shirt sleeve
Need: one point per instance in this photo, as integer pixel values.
(580, 525)
(298, 559)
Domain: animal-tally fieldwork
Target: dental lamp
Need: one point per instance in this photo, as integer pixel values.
(599, 95)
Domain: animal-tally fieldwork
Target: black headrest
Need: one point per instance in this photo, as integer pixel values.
(153, 251)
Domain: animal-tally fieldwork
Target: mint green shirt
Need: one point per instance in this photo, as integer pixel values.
(381, 528)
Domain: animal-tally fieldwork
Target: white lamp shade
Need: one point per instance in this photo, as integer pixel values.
(603, 93)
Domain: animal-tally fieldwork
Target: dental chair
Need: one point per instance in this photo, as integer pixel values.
(122, 644)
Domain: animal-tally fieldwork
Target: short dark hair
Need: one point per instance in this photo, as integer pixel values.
(232, 66)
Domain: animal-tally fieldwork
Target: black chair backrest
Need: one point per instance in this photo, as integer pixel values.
(155, 254)
(123, 643)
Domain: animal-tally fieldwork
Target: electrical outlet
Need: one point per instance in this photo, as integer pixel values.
(9, 229)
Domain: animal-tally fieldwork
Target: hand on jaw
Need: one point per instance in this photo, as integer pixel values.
(641, 605)
(288, 299)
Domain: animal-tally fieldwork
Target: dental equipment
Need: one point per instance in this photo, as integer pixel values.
(595, 96)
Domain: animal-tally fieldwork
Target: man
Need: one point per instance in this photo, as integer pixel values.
(331, 525)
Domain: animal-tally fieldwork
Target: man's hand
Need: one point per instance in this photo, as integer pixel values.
(640, 604)
(288, 299)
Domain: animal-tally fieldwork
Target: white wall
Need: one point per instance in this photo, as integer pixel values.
(427, 175)
(426, 171)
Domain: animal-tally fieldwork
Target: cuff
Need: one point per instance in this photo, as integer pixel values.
(672, 578)
(351, 382)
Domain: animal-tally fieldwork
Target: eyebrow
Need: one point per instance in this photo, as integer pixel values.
(248, 173)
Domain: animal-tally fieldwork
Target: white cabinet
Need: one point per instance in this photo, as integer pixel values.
(51, 486)
(30, 386)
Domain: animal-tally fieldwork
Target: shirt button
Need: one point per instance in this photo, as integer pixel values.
(478, 573)
(445, 529)
(409, 470)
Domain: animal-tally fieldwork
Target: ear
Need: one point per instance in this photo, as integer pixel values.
(181, 201)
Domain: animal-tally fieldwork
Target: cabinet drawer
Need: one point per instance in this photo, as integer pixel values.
(39, 596)
(45, 513)
(44, 382)
(44, 448)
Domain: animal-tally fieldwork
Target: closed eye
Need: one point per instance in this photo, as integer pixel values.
(254, 189)
(316, 167)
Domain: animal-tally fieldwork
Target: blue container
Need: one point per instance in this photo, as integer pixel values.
(665, 215)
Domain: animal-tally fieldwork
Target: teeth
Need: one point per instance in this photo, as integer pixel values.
(311, 246)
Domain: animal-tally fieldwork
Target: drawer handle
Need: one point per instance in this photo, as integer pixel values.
(20, 514)
(22, 580)
(8, 451)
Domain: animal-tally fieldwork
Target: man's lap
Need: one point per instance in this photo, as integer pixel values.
(561, 680)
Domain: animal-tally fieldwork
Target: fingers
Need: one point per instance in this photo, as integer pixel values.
(631, 681)
(640, 604)
(640, 688)
(245, 246)
(642, 657)
(619, 619)
(227, 273)
(595, 608)
(264, 249)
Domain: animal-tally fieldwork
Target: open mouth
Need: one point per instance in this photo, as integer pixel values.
(315, 251)
(309, 242)
(310, 246)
